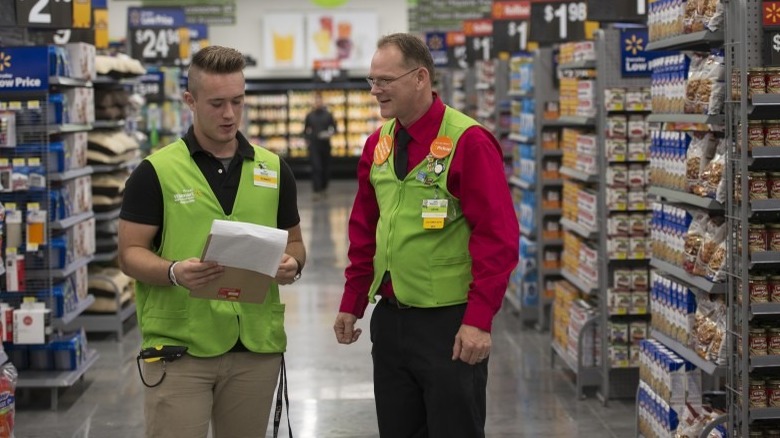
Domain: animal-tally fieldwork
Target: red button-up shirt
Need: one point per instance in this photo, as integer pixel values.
(476, 177)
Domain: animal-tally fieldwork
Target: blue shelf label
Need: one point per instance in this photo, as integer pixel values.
(155, 18)
(634, 58)
(24, 68)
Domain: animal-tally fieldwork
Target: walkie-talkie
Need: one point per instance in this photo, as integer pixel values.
(168, 353)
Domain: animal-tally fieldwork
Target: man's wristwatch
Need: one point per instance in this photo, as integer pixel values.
(298, 272)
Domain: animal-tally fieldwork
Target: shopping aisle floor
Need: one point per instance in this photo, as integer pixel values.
(331, 392)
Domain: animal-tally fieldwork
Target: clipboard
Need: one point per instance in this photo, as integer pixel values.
(235, 285)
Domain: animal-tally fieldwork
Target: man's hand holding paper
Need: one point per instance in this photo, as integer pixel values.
(251, 255)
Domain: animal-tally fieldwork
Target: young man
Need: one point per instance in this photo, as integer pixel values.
(228, 376)
(433, 232)
(319, 127)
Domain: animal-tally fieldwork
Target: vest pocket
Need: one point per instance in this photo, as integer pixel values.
(262, 327)
(450, 277)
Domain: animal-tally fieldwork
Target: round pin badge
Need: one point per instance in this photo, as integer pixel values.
(441, 147)
(438, 168)
(382, 150)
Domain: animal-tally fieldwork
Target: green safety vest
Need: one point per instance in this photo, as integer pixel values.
(166, 314)
(429, 267)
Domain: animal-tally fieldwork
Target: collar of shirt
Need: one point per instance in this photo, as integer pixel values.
(245, 150)
(425, 129)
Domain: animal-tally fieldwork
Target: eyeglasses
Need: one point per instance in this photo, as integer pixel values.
(382, 83)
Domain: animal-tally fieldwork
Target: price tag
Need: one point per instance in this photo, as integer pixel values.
(511, 26)
(456, 50)
(625, 11)
(57, 14)
(479, 40)
(82, 14)
(772, 48)
(150, 86)
(156, 45)
(558, 21)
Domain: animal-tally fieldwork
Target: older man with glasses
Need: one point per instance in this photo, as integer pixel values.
(433, 232)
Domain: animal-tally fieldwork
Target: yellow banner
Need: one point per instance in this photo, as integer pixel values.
(82, 14)
(101, 28)
(184, 43)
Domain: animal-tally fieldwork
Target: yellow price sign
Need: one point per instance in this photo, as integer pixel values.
(82, 14)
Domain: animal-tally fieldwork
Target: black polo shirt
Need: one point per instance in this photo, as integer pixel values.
(143, 200)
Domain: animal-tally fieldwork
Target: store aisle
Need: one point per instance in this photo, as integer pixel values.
(330, 384)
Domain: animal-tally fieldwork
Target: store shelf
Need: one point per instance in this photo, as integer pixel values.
(108, 215)
(53, 380)
(765, 205)
(764, 153)
(578, 282)
(764, 362)
(108, 124)
(520, 93)
(766, 100)
(577, 121)
(520, 183)
(106, 168)
(42, 274)
(578, 229)
(71, 221)
(69, 82)
(687, 118)
(109, 322)
(696, 40)
(578, 175)
(71, 316)
(552, 242)
(71, 174)
(552, 152)
(686, 198)
(588, 64)
(696, 281)
(764, 414)
(765, 309)
(764, 258)
(69, 127)
(521, 138)
(551, 211)
(686, 353)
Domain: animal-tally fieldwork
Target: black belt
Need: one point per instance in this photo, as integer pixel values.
(394, 302)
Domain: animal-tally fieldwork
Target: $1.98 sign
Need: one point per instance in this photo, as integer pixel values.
(558, 21)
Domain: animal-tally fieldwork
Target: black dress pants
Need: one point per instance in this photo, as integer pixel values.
(319, 156)
(420, 391)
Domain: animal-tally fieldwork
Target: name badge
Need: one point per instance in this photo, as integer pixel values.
(266, 178)
(434, 211)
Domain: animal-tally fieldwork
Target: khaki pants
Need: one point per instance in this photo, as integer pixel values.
(234, 392)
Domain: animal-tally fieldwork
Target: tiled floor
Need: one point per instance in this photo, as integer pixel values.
(330, 384)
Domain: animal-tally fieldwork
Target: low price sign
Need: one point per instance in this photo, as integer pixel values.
(556, 21)
(510, 25)
(158, 35)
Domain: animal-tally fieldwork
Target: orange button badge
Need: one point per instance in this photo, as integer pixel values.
(382, 150)
(441, 147)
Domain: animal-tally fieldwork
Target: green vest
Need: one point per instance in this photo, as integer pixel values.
(429, 267)
(166, 314)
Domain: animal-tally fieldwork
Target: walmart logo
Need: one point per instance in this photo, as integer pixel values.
(634, 45)
(5, 61)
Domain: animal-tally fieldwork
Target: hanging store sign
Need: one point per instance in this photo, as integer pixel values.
(329, 71)
(511, 26)
(772, 48)
(7, 13)
(624, 11)
(158, 35)
(213, 14)
(61, 36)
(634, 59)
(24, 68)
(44, 13)
(150, 86)
(456, 50)
(479, 40)
(437, 45)
(770, 16)
(557, 21)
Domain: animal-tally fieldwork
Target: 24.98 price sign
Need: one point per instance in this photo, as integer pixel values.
(158, 35)
(558, 21)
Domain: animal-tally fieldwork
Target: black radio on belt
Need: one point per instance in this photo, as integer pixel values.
(164, 353)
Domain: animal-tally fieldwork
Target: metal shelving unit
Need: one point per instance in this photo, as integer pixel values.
(744, 35)
(543, 83)
(616, 382)
(584, 375)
